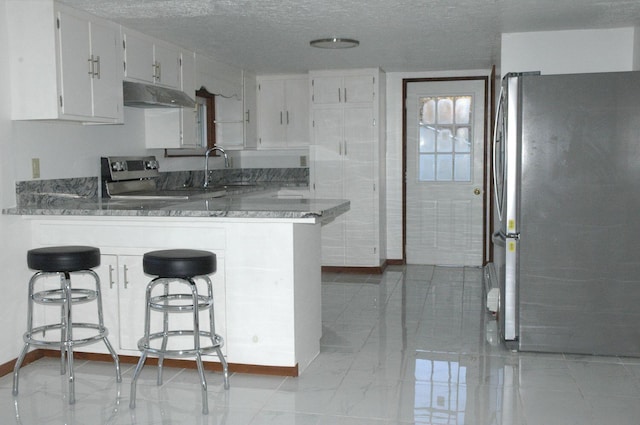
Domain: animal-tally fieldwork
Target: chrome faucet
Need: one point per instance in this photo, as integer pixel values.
(206, 163)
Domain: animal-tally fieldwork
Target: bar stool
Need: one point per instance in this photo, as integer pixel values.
(179, 267)
(63, 261)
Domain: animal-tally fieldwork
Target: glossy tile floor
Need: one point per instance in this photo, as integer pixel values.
(413, 346)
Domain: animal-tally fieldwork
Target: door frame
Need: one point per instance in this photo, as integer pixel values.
(488, 136)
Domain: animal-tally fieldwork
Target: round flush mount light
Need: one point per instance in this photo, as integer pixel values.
(334, 43)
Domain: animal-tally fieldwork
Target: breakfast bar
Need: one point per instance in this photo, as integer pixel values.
(267, 284)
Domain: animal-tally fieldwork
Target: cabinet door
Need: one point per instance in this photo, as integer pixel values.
(88, 312)
(328, 177)
(250, 100)
(271, 115)
(328, 152)
(131, 291)
(359, 89)
(297, 112)
(359, 176)
(75, 66)
(167, 61)
(107, 80)
(326, 90)
(138, 58)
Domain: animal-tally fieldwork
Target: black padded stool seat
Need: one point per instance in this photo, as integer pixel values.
(63, 258)
(179, 263)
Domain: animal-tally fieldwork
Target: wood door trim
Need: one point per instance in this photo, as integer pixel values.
(485, 183)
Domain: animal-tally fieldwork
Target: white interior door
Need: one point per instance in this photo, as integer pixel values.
(445, 152)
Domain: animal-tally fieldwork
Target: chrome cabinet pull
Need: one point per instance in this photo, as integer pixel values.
(126, 278)
(90, 60)
(97, 67)
(287, 117)
(280, 117)
(345, 95)
(345, 144)
(339, 95)
(110, 276)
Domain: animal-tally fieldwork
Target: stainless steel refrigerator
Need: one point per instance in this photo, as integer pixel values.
(567, 213)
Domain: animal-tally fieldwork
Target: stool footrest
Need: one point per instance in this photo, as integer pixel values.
(57, 296)
(216, 341)
(101, 333)
(172, 302)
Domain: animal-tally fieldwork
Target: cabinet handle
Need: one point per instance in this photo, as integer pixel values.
(126, 278)
(248, 116)
(280, 117)
(90, 60)
(159, 71)
(345, 95)
(339, 95)
(110, 276)
(287, 117)
(339, 148)
(345, 144)
(97, 68)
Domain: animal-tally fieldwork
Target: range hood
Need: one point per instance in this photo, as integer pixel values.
(142, 95)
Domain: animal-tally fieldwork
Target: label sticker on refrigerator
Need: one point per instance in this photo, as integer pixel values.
(512, 246)
(511, 225)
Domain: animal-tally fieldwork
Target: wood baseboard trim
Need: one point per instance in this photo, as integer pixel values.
(396, 262)
(354, 270)
(34, 355)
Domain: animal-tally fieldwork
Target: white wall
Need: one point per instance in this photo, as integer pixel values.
(394, 151)
(564, 52)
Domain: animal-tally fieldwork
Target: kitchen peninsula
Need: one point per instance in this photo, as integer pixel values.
(267, 284)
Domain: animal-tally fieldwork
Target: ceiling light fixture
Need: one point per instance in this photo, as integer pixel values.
(334, 43)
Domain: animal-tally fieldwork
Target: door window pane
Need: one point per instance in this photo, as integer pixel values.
(444, 147)
(427, 139)
(445, 140)
(427, 167)
(462, 144)
(462, 170)
(444, 168)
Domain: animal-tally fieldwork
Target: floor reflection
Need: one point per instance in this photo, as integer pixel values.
(412, 346)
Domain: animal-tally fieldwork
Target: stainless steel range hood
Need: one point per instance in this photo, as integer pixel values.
(142, 95)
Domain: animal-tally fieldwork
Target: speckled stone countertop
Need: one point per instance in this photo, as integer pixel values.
(236, 204)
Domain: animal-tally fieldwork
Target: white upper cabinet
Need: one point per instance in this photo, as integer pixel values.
(283, 111)
(64, 64)
(151, 61)
(348, 89)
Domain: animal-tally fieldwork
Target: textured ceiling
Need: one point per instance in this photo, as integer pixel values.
(272, 36)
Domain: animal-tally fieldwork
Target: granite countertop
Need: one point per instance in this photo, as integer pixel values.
(233, 205)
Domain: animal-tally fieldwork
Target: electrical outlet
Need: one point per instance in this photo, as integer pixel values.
(35, 168)
(303, 160)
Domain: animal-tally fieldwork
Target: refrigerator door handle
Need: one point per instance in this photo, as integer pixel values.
(498, 238)
(494, 155)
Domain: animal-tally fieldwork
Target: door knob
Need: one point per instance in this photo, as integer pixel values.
(476, 191)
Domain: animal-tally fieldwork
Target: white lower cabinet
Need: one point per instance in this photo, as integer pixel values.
(266, 288)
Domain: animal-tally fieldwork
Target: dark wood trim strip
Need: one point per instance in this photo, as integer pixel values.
(399, 262)
(32, 356)
(355, 270)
